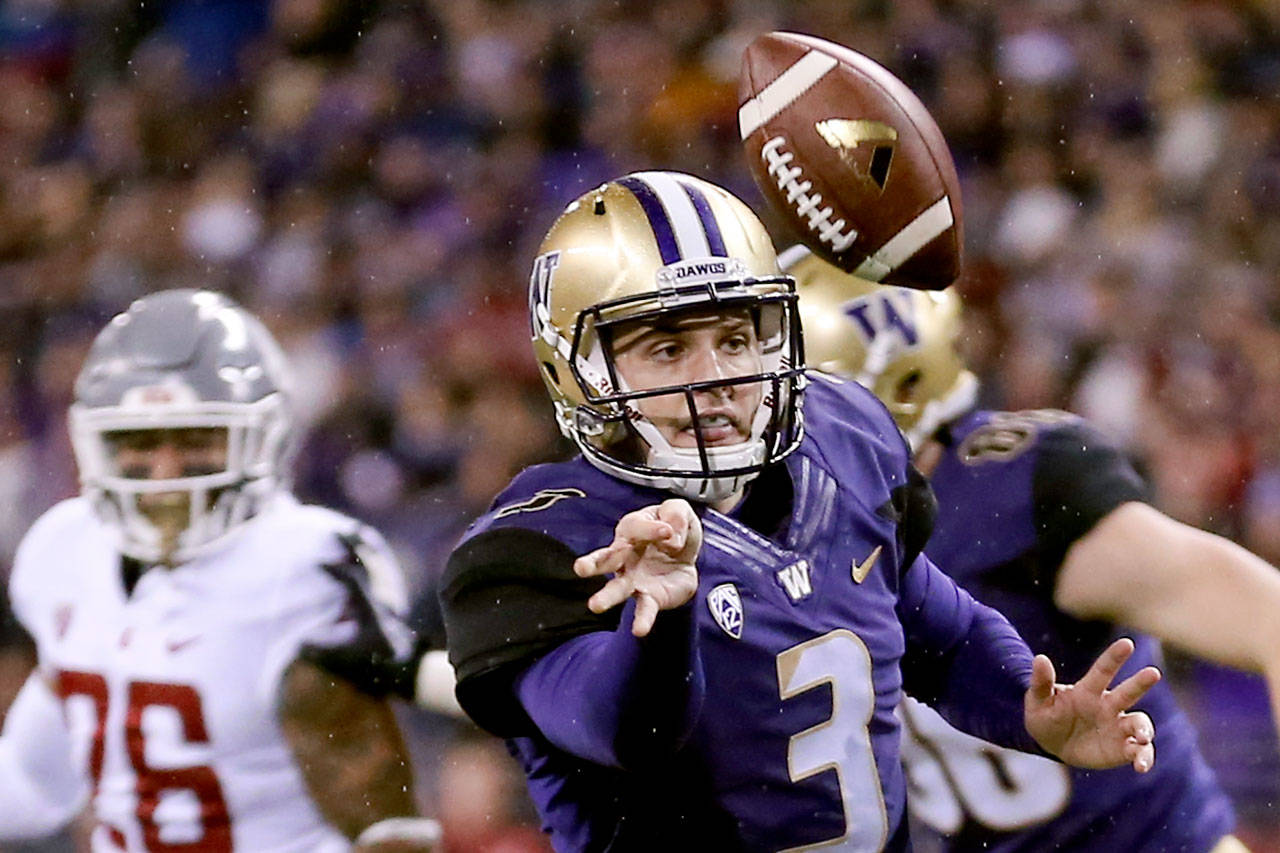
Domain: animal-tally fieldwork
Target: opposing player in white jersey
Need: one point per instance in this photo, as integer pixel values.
(176, 607)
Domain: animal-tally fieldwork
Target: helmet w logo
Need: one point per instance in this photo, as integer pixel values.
(878, 313)
(544, 267)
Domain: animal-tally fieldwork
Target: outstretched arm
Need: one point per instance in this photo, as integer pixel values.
(1192, 589)
(963, 657)
(629, 696)
(1088, 724)
(353, 760)
(966, 659)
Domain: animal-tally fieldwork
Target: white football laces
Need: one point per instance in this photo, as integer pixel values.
(790, 180)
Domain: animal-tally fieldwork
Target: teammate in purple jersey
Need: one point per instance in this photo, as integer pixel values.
(775, 600)
(1042, 518)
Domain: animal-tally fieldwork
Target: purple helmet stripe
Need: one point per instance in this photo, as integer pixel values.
(658, 219)
(714, 238)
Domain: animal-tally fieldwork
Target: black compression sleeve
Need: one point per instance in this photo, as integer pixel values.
(1080, 477)
(509, 596)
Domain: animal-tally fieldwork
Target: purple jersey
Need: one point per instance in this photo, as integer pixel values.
(1014, 491)
(812, 609)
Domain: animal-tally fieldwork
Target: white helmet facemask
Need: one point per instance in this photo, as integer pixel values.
(217, 502)
(182, 360)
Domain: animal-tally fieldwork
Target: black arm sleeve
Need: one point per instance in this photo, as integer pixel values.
(509, 596)
(1080, 477)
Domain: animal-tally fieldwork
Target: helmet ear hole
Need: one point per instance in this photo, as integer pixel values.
(552, 373)
(905, 390)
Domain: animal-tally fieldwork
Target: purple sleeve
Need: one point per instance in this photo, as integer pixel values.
(615, 699)
(964, 658)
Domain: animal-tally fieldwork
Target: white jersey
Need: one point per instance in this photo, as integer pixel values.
(170, 693)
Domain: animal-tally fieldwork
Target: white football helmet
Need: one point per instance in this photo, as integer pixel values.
(183, 359)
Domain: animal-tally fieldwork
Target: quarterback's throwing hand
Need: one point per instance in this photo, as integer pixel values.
(652, 558)
(1086, 724)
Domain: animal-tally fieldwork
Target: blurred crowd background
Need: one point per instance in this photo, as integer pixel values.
(372, 178)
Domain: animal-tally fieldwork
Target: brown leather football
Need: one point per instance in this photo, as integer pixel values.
(848, 154)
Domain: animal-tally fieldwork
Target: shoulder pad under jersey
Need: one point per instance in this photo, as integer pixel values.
(39, 564)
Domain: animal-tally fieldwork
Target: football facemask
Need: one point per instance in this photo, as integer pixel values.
(181, 366)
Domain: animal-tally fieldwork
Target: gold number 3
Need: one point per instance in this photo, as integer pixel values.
(842, 743)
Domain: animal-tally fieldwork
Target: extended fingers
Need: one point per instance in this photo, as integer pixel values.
(611, 559)
(618, 555)
(642, 527)
(645, 614)
(1141, 754)
(1133, 688)
(611, 594)
(588, 565)
(1138, 727)
(1139, 745)
(1104, 669)
(684, 522)
(1042, 677)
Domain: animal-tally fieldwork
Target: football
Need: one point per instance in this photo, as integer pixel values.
(847, 154)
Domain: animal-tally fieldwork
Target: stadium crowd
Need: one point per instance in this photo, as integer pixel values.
(370, 178)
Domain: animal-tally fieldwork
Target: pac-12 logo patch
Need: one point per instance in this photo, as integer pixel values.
(726, 609)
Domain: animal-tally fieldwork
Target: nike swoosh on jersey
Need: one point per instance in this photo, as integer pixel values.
(175, 646)
(861, 570)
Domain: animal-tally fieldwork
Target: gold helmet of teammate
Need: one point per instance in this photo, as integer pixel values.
(651, 248)
(897, 342)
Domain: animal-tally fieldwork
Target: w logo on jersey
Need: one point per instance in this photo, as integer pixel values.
(795, 580)
(726, 608)
(881, 312)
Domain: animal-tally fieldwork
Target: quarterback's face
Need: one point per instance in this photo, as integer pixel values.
(697, 347)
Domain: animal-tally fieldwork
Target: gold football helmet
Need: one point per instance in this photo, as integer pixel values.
(897, 342)
(647, 248)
